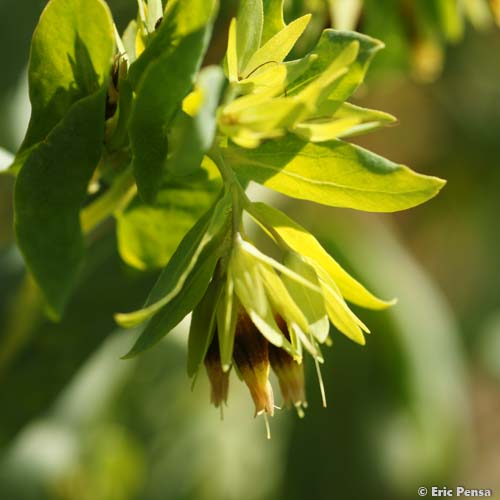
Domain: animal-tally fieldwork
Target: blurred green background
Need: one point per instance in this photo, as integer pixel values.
(418, 406)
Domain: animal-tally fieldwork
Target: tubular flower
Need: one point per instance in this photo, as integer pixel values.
(267, 313)
(219, 379)
(251, 356)
(290, 374)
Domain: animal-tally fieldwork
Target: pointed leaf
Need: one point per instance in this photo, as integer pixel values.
(311, 302)
(304, 243)
(278, 47)
(202, 328)
(201, 243)
(333, 173)
(227, 315)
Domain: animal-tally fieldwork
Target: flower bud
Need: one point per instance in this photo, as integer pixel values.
(219, 380)
(251, 355)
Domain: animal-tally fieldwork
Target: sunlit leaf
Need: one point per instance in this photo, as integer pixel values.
(277, 48)
(311, 302)
(304, 243)
(333, 173)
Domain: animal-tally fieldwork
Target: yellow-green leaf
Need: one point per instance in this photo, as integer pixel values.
(304, 243)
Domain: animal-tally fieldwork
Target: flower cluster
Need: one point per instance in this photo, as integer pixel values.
(269, 312)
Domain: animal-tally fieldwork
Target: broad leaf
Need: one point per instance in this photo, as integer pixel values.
(148, 234)
(161, 90)
(304, 243)
(333, 173)
(70, 59)
(68, 74)
(50, 190)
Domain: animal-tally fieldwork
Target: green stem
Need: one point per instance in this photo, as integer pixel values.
(117, 197)
(240, 199)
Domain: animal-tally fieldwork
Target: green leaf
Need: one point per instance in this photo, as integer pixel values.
(180, 306)
(148, 234)
(192, 136)
(161, 90)
(333, 173)
(249, 22)
(202, 328)
(331, 44)
(181, 19)
(311, 302)
(155, 107)
(339, 313)
(50, 190)
(68, 74)
(299, 240)
(273, 19)
(70, 59)
(277, 48)
(202, 243)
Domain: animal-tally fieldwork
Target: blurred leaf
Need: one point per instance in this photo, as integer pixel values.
(63, 346)
(67, 63)
(345, 13)
(273, 19)
(193, 132)
(249, 22)
(160, 90)
(148, 235)
(333, 173)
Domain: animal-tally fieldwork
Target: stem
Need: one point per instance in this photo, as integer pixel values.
(118, 196)
(240, 199)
